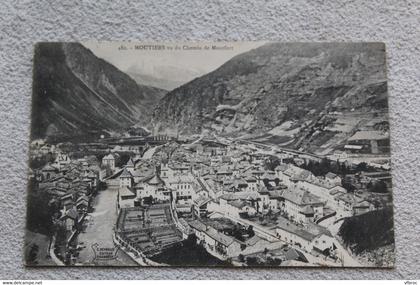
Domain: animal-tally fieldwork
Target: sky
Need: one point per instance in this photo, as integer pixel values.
(183, 61)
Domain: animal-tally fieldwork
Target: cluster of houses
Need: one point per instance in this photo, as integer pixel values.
(39, 148)
(219, 240)
(70, 183)
(209, 180)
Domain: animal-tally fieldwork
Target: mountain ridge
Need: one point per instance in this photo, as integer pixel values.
(257, 91)
(77, 94)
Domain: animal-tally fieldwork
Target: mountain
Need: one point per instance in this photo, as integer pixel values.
(162, 76)
(299, 95)
(76, 94)
(149, 80)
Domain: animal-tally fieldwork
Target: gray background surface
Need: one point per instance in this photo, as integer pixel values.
(25, 22)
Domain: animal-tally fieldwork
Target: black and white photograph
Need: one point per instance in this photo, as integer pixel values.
(227, 154)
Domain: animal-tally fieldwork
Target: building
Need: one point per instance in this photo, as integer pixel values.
(290, 174)
(48, 172)
(153, 188)
(309, 238)
(70, 218)
(82, 204)
(200, 206)
(234, 204)
(333, 179)
(109, 161)
(362, 207)
(184, 187)
(61, 160)
(371, 141)
(130, 165)
(237, 208)
(302, 206)
(126, 178)
(126, 197)
(215, 242)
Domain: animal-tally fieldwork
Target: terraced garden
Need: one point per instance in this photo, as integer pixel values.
(149, 229)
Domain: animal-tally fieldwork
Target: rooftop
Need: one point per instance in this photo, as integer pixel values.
(212, 233)
(369, 135)
(126, 174)
(126, 191)
(300, 197)
(109, 156)
(308, 233)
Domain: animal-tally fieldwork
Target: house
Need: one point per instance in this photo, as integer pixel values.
(276, 200)
(362, 207)
(154, 188)
(130, 164)
(166, 172)
(61, 160)
(252, 203)
(201, 206)
(373, 141)
(294, 254)
(126, 197)
(345, 201)
(216, 243)
(321, 188)
(269, 179)
(239, 185)
(82, 204)
(48, 172)
(184, 188)
(308, 238)
(109, 161)
(264, 195)
(290, 174)
(333, 179)
(257, 244)
(224, 172)
(240, 207)
(252, 183)
(301, 175)
(126, 178)
(70, 218)
(179, 168)
(301, 205)
(205, 187)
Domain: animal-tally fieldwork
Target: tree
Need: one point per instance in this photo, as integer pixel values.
(148, 200)
(361, 167)
(368, 231)
(252, 260)
(377, 187)
(250, 231)
(347, 183)
(324, 166)
(237, 233)
(41, 209)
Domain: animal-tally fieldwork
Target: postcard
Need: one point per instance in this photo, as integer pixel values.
(230, 154)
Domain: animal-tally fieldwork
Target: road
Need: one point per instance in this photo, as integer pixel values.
(100, 229)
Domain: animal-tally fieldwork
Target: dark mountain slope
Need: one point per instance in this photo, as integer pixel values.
(76, 94)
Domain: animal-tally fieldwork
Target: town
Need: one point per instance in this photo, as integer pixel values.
(241, 202)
